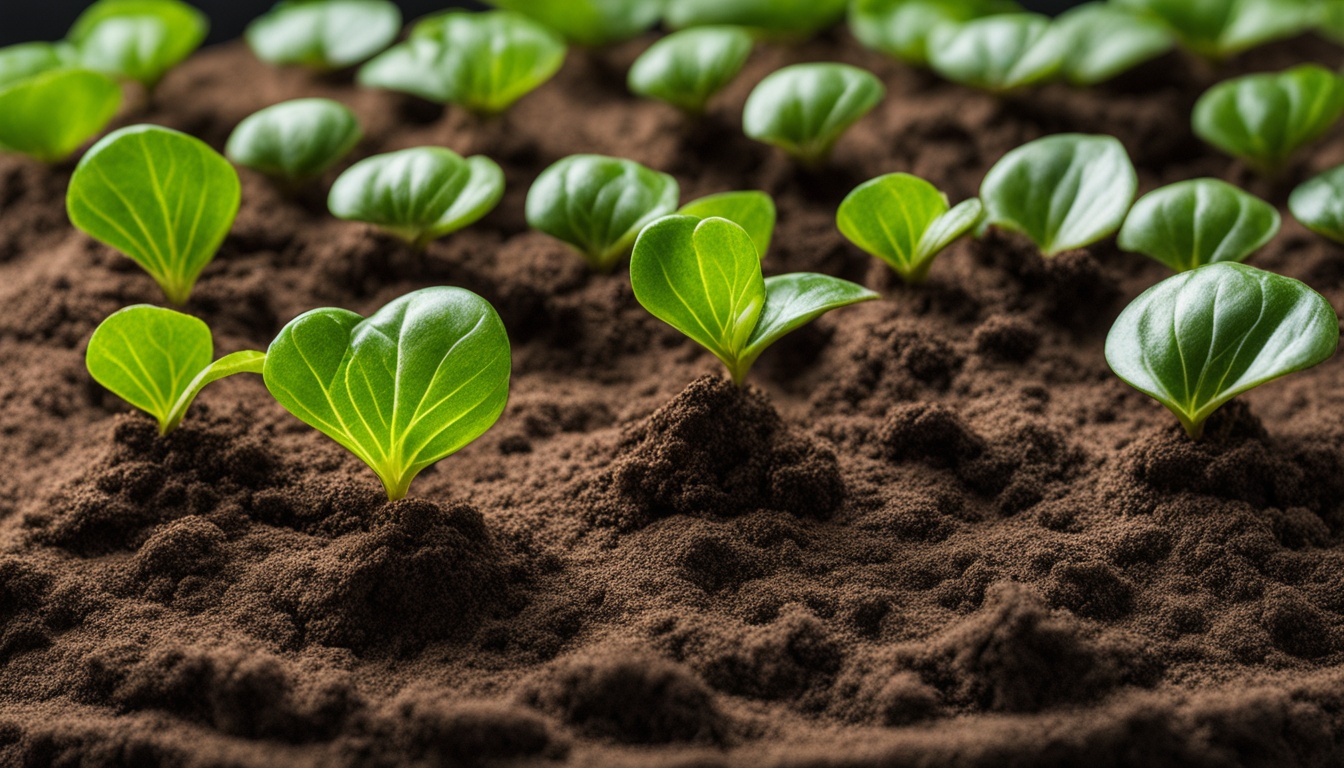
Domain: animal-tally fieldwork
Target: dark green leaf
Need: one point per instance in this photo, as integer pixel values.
(1319, 204)
(686, 69)
(324, 34)
(1265, 119)
(295, 140)
(805, 108)
(1193, 223)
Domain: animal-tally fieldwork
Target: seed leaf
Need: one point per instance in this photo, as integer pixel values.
(50, 115)
(137, 39)
(901, 28)
(324, 34)
(1264, 119)
(22, 61)
(794, 300)
(789, 18)
(1217, 29)
(998, 53)
(1193, 223)
(686, 69)
(904, 221)
(590, 23)
(1319, 204)
(805, 108)
(295, 140)
(751, 210)
(1105, 41)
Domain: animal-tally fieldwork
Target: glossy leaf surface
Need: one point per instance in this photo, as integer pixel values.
(1104, 41)
(1319, 204)
(998, 53)
(1217, 29)
(751, 210)
(1265, 119)
(295, 140)
(901, 28)
(50, 115)
(905, 221)
(1193, 223)
(686, 69)
(137, 39)
(805, 108)
(324, 34)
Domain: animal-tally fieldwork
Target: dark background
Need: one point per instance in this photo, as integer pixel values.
(25, 20)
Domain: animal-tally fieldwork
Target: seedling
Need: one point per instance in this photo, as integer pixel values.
(905, 221)
(483, 62)
(901, 28)
(1193, 223)
(703, 277)
(294, 141)
(159, 360)
(162, 198)
(1064, 192)
(590, 23)
(419, 194)
(25, 60)
(324, 34)
(753, 211)
(998, 53)
(412, 384)
(1196, 340)
(805, 109)
(1265, 119)
(49, 115)
(686, 69)
(598, 204)
(1103, 42)
(784, 18)
(137, 39)
(1319, 204)
(1219, 29)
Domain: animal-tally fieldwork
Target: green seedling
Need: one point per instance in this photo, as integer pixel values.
(1103, 42)
(51, 114)
(25, 60)
(1064, 192)
(1193, 223)
(805, 109)
(998, 53)
(901, 28)
(1265, 119)
(905, 221)
(412, 384)
(159, 360)
(590, 23)
(324, 34)
(1196, 340)
(753, 211)
(419, 194)
(782, 18)
(598, 204)
(1319, 204)
(703, 277)
(483, 62)
(295, 141)
(162, 198)
(1219, 29)
(137, 39)
(686, 69)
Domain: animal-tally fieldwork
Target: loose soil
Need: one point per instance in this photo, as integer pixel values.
(935, 532)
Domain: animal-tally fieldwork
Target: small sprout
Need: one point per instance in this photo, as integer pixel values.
(25, 60)
(1104, 42)
(901, 28)
(805, 109)
(598, 204)
(753, 211)
(1193, 223)
(905, 221)
(1064, 192)
(162, 198)
(784, 18)
(1319, 204)
(50, 115)
(686, 69)
(998, 53)
(1196, 340)
(590, 23)
(412, 384)
(1265, 119)
(419, 194)
(703, 277)
(159, 360)
(295, 141)
(1219, 29)
(324, 34)
(137, 39)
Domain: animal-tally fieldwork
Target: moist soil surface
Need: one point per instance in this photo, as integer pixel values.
(935, 531)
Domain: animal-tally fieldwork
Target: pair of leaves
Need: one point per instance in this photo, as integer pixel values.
(1265, 119)
(1198, 222)
(1196, 340)
(998, 53)
(1319, 204)
(137, 39)
(805, 108)
(1217, 29)
(786, 18)
(49, 111)
(590, 23)
(295, 140)
(687, 68)
(162, 198)
(324, 34)
(901, 28)
(905, 221)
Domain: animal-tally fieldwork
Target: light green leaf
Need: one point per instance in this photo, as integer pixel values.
(789, 18)
(295, 140)
(324, 34)
(414, 383)
(162, 198)
(901, 28)
(590, 23)
(1217, 29)
(998, 53)
(794, 300)
(1319, 204)
(751, 210)
(686, 69)
(137, 39)
(50, 115)
(805, 108)
(1104, 41)
(904, 221)
(22, 61)
(1193, 223)
(1196, 340)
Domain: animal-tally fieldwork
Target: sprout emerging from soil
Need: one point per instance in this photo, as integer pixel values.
(1319, 204)
(805, 109)
(999, 53)
(295, 141)
(324, 34)
(1193, 223)
(905, 221)
(686, 69)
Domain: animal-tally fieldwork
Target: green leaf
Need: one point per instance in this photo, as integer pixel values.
(790, 18)
(686, 69)
(1064, 192)
(137, 39)
(159, 360)
(295, 140)
(751, 210)
(1193, 223)
(483, 62)
(901, 28)
(805, 108)
(598, 204)
(1331, 20)
(418, 194)
(794, 300)
(414, 383)
(1319, 204)
(998, 53)
(1265, 119)
(25, 60)
(162, 198)
(590, 23)
(1217, 29)
(904, 221)
(1104, 41)
(50, 115)
(324, 34)
(1196, 340)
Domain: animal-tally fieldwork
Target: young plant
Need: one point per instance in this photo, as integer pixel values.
(162, 198)
(1103, 42)
(295, 141)
(905, 221)
(784, 18)
(419, 194)
(1064, 192)
(159, 360)
(25, 60)
(1265, 119)
(598, 204)
(804, 109)
(324, 34)
(51, 114)
(998, 53)
(137, 39)
(1319, 204)
(686, 69)
(1219, 29)
(590, 23)
(410, 385)
(753, 211)
(1196, 340)
(703, 277)
(1193, 223)
(901, 28)
(483, 62)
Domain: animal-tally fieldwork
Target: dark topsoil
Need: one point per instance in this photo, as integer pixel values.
(936, 532)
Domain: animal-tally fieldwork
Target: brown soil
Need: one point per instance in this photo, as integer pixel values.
(936, 532)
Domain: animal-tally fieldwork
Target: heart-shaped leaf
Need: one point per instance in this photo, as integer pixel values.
(1064, 192)
(686, 69)
(1265, 119)
(901, 28)
(1200, 338)
(162, 198)
(1217, 29)
(904, 221)
(324, 34)
(805, 108)
(1319, 204)
(50, 115)
(295, 140)
(1104, 41)
(22, 61)
(1193, 223)
(590, 23)
(414, 383)
(788, 18)
(137, 39)
(998, 53)
(751, 210)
